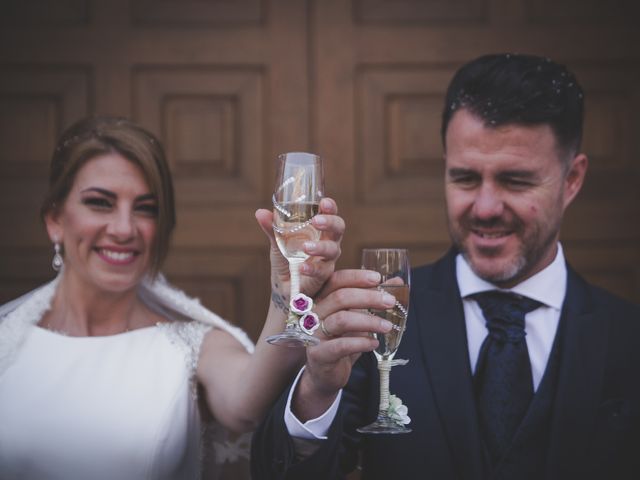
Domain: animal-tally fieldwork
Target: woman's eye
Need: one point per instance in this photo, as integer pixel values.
(148, 209)
(97, 202)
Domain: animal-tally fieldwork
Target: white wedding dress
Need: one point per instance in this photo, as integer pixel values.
(114, 407)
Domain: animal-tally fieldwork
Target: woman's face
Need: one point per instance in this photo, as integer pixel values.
(107, 225)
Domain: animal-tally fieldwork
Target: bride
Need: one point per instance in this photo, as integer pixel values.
(108, 371)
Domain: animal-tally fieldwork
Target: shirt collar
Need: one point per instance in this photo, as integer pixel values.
(548, 286)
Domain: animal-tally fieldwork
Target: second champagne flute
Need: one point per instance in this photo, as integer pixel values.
(395, 271)
(296, 200)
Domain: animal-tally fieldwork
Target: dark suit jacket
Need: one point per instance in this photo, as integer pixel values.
(595, 422)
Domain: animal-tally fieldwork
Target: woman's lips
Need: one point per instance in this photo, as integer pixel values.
(117, 257)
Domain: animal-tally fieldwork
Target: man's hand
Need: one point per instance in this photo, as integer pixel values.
(341, 307)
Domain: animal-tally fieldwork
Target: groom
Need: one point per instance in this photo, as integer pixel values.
(519, 369)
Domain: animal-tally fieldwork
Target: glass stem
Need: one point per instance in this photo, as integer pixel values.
(384, 366)
(294, 274)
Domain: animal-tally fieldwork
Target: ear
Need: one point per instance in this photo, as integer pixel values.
(54, 225)
(574, 178)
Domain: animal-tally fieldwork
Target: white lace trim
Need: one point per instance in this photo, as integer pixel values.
(219, 447)
(187, 337)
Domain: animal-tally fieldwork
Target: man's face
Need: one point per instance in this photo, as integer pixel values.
(506, 192)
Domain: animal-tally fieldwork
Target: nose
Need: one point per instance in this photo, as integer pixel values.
(488, 203)
(121, 226)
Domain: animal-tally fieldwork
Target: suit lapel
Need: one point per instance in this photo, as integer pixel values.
(582, 361)
(440, 320)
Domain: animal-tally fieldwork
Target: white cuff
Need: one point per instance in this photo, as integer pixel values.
(314, 429)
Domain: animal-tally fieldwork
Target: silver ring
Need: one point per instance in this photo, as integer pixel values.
(324, 330)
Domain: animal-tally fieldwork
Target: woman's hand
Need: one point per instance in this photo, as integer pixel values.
(323, 254)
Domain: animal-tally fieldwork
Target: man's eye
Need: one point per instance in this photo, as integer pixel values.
(465, 180)
(515, 183)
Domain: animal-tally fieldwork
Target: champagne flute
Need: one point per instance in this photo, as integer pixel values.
(296, 200)
(393, 266)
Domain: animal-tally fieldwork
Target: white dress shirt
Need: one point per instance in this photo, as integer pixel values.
(547, 286)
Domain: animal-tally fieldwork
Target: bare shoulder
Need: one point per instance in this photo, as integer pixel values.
(220, 338)
(220, 347)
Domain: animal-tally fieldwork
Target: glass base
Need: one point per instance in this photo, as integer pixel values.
(384, 424)
(293, 337)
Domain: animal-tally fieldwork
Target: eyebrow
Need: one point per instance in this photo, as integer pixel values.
(517, 174)
(110, 194)
(456, 172)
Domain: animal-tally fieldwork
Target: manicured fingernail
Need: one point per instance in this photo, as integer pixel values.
(309, 247)
(388, 300)
(305, 269)
(373, 277)
(386, 325)
(319, 221)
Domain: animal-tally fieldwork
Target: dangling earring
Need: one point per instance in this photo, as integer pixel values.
(57, 261)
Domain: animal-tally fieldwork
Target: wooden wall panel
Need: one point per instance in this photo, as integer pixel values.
(187, 13)
(211, 120)
(228, 281)
(61, 13)
(36, 103)
(398, 119)
(614, 267)
(203, 135)
(22, 267)
(20, 117)
(420, 11)
(611, 126)
(410, 151)
(573, 12)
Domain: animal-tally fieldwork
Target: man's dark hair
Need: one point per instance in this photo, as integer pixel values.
(519, 89)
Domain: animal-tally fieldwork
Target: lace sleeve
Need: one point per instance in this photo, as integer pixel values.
(187, 337)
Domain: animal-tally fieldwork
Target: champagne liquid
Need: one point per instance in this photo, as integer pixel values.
(292, 231)
(397, 315)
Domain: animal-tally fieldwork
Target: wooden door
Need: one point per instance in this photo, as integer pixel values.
(229, 85)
